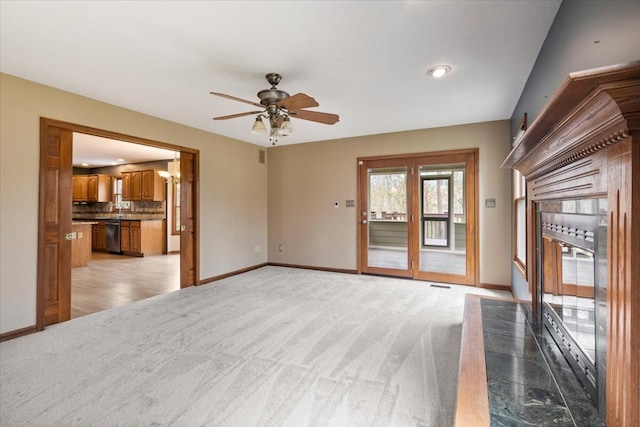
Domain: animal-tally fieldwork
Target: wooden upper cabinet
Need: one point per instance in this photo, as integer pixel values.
(136, 185)
(98, 188)
(80, 188)
(144, 185)
(126, 186)
(153, 186)
(91, 188)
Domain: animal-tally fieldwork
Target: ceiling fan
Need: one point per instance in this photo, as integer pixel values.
(278, 107)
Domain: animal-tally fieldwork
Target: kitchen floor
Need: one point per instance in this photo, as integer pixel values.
(111, 280)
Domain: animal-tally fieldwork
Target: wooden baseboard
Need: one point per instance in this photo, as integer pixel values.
(232, 273)
(505, 288)
(311, 267)
(18, 333)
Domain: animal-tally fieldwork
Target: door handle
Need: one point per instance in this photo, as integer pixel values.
(364, 221)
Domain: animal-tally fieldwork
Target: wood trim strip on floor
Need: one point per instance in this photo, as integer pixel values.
(18, 333)
(310, 267)
(472, 407)
(231, 273)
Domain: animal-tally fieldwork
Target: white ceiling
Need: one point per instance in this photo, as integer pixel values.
(91, 151)
(364, 60)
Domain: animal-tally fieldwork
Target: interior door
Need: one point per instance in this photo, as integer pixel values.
(385, 206)
(188, 220)
(53, 298)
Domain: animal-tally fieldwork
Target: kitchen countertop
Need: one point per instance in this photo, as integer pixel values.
(98, 217)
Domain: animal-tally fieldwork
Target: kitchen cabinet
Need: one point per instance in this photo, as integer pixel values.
(126, 186)
(144, 237)
(80, 244)
(125, 236)
(99, 236)
(79, 188)
(144, 185)
(98, 188)
(91, 188)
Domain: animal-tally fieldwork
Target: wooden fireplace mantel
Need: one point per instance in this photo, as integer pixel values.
(586, 143)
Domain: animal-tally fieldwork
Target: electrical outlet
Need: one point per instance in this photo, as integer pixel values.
(258, 248)
(79, 234)
(281, 247)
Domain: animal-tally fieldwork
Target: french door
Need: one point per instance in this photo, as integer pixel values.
(417, 216)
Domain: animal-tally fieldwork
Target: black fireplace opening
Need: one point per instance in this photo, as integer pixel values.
(572, 285)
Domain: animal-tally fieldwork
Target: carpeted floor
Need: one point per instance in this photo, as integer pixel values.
(271, 347)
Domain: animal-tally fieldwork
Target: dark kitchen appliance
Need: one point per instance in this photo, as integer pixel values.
(113, 235)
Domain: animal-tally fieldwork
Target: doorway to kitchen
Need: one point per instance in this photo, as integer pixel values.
(132, 252)
(418, 216)
(55, 215)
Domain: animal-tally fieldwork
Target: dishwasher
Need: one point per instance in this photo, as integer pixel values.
(113, 235)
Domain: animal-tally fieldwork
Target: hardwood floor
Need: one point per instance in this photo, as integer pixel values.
(111, 280)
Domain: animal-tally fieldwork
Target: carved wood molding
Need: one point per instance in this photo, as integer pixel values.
(590, 111)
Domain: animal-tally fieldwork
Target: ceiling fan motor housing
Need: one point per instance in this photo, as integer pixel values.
(271, 96)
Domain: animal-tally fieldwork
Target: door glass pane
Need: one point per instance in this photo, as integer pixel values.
(443, 220)
(435, 211)
(387, 212)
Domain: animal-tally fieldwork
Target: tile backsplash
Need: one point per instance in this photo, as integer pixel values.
(152, 208)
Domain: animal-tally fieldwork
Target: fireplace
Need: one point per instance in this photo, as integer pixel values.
(581, 162)
(571, 242)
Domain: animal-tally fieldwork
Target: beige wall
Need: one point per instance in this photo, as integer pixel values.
(306, 179)
(303, 182)
(233, 190)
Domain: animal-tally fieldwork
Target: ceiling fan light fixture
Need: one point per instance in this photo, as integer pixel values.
(286, 128)
(258, 126)
(438, 71)
(273, 136)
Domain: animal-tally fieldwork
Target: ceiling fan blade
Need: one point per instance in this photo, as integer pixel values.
(297, 101)
(233, 116)
(316, 116)
(234, 98)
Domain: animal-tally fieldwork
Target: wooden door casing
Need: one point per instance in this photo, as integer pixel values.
(55, 200)
(53, 293)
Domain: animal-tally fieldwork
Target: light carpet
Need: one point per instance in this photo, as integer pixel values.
(271, 347)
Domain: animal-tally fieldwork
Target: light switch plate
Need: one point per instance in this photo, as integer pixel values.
(489, 203)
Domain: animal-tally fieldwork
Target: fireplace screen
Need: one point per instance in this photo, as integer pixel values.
(572, 247)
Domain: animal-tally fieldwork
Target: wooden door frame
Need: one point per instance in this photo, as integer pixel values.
(468, 156)
(44, 208)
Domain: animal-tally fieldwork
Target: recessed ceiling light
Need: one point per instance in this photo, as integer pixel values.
(120, 160)
(114, 163)
(438, 70)
(85, 164)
